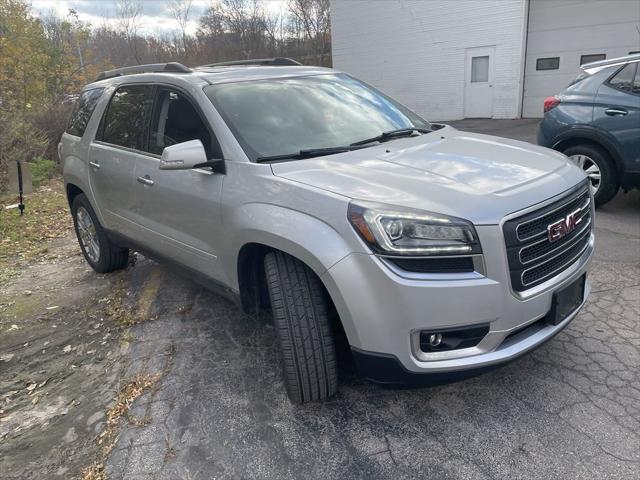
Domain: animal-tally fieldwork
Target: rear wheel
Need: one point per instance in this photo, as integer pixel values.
(300, 313)
(598, 166)
(101, 254)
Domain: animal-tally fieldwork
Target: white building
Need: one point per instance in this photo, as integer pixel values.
(453, 59)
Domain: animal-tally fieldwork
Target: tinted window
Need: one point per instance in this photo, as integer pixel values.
(83, 110)
(635, 88)
(126, 118)
(624, 79)
(551, 63)
(592, 58)
(285, 115)
(176, 121)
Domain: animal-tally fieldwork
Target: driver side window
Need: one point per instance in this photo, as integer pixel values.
(175, 120)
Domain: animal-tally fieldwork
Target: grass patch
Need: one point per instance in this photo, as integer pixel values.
(46, 217)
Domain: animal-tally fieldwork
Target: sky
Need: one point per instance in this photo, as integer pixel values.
(156, 18)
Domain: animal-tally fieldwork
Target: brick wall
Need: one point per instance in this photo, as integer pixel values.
(415, 50)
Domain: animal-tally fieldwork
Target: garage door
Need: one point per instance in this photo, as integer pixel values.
(564, 33)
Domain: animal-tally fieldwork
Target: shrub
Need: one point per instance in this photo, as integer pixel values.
(19, 140)
(42, 169)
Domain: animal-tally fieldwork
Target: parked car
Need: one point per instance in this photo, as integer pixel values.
(436, 253)
(595, 121)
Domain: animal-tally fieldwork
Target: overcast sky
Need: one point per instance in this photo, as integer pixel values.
(156, 16)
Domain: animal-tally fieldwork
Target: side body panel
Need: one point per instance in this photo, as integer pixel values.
(74, 154)
(112, 184)
(618, 113)
(179, 214)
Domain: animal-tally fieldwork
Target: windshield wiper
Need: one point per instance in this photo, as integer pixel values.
(386, 136)
(306, 153)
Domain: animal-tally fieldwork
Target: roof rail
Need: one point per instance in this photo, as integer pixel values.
(276, 61)
(173, 67)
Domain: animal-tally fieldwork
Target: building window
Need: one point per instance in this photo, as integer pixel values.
(551, 63)
(479, 69)
(594, 57)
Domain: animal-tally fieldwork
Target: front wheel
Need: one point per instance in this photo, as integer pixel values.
(99, 252)
(300, 314)
(598, 166)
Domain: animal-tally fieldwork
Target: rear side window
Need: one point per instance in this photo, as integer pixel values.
(83, 110)
(624, 80)
(126, 119)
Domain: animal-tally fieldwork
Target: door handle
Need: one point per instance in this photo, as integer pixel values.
(95, 165)
(613, 112)
(146, 180)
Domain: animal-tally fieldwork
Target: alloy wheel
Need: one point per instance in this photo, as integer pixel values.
(589, 167)
(88, 235)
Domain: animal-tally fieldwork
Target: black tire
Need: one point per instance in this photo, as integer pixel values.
(111, 257)
(300, 313)
(608, 182)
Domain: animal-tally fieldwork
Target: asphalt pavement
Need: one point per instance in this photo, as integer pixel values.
(569, 410)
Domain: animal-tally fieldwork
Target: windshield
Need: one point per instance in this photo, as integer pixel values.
(282, 116)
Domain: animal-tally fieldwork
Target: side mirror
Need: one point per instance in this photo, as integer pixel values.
(183, 156)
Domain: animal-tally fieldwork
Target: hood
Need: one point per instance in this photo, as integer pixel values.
(477, 177)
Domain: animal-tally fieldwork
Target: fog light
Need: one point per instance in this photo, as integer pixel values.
(453, 339)
(435, 339)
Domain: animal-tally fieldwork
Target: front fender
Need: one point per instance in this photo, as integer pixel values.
(303, 236)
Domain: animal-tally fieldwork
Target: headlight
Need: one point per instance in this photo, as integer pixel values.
(398, 231)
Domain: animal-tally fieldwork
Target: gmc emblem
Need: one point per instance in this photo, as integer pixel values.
(564, 226)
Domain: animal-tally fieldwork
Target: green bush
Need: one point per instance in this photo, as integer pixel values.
(19, 140)
(42, 169)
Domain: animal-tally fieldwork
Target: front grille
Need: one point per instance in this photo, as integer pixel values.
(533, 258)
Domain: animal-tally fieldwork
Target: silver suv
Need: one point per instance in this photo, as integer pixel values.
(436, 253)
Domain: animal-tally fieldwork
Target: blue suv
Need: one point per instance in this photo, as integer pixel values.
(595, 121)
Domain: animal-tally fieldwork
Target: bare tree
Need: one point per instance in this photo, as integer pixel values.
(311, 24)
(129, 21)
(180, 10)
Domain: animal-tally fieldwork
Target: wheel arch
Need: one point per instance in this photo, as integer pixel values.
(262, 228)
(590, 137)
(72, 192)
(252, 283)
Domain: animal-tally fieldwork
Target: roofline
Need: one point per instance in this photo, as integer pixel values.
(272, 62)
(595, 67)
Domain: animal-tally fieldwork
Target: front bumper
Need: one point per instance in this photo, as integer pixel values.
(383, 310)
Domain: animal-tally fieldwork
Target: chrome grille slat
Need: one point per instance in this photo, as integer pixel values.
(532, 257)
(586, 225)
(566, 247)
(566, 206)
(561, 267)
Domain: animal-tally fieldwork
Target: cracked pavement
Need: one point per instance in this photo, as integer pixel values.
(570, 409)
